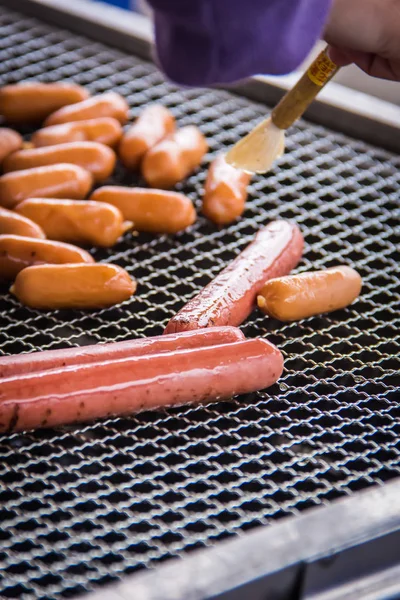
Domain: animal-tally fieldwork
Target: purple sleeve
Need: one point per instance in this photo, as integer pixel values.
(205, 42)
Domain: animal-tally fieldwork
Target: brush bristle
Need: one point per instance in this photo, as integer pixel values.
(257, 152)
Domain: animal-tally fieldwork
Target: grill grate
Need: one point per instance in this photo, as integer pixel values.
(83, 505)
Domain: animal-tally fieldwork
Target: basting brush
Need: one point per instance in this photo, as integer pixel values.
(257, 152)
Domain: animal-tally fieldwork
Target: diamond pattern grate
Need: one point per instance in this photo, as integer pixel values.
(83, 505)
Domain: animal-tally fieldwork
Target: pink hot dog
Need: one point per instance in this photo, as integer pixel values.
(126, 386)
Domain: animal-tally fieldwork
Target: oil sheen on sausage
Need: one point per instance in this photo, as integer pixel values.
(22, 364)
(76, 221)
(155, 211)
(231, 296)
(151, 126)
(174, 158)
(104, 130)
(81, 286)
(14, 224)
(54, 181)
(105, 105)
(225, 192)
(126, 386)
(32, 102)
(304, 295)
(96, 158)
(18, 252)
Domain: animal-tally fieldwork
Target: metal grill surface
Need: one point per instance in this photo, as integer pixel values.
(83, 505)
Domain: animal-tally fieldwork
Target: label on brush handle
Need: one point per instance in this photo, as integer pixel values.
(321, 70)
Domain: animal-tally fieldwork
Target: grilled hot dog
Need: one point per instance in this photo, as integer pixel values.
(174, 158)
(22, 364)
(73, 286)
(54, 181)
(230, 297)
(126, 386)
(96, 158)
(156, 211)
(18, 252)
(104, 130)
(105, 105)
(32, 102)
(300, 296)
(152, 125)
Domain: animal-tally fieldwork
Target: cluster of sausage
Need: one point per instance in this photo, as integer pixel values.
(46, 180)
(203, 355)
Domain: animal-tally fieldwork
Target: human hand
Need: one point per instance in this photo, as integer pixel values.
(367, 33)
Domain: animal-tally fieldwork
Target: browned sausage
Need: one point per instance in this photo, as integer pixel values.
(18, 252)
(54, 181)
(105, 105)
(15, 224)
(76, 221)
(174, 158)
(152, 125)
(104, 130)
(121, 387)
(231, 296)
(300, 296)
(33, 102)
(73, 286)
(10, 141)
(156, 211)
(225, 192)
(96, 158)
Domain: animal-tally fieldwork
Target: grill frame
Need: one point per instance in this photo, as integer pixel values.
(155, 584)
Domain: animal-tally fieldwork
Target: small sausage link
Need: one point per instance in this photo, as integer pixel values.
(15, 224)
(76, 221)
(53, 181)
(105, 105)
(10, 141)
(33, 102)
(96, 158)
(300, 296)
(105, 130)
(174, 158)
(73, 286)
(152, 125)
(225, 192)
(18, 252)
(155, 211)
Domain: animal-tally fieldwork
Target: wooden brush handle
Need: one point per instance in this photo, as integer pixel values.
(294, 103)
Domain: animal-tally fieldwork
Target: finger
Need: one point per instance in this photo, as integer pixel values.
(339, 56)
(376, 66)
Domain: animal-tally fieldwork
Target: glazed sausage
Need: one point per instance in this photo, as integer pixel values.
(174, 158)
(54, 181)
(15, 224)
(156, 211)
(105, 130)
(300, 296)
(225, 192)
(22, 364)
(96, 158)
(10, 141)
(126, 386)
(77, 221)
(105, 105)
(231, 296)
(152, 125)
(18, 252)
(81, 286)
(33, 102)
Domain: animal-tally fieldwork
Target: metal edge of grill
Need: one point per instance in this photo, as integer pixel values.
(214, 573)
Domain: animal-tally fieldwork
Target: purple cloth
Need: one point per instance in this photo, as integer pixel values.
(205, 42)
